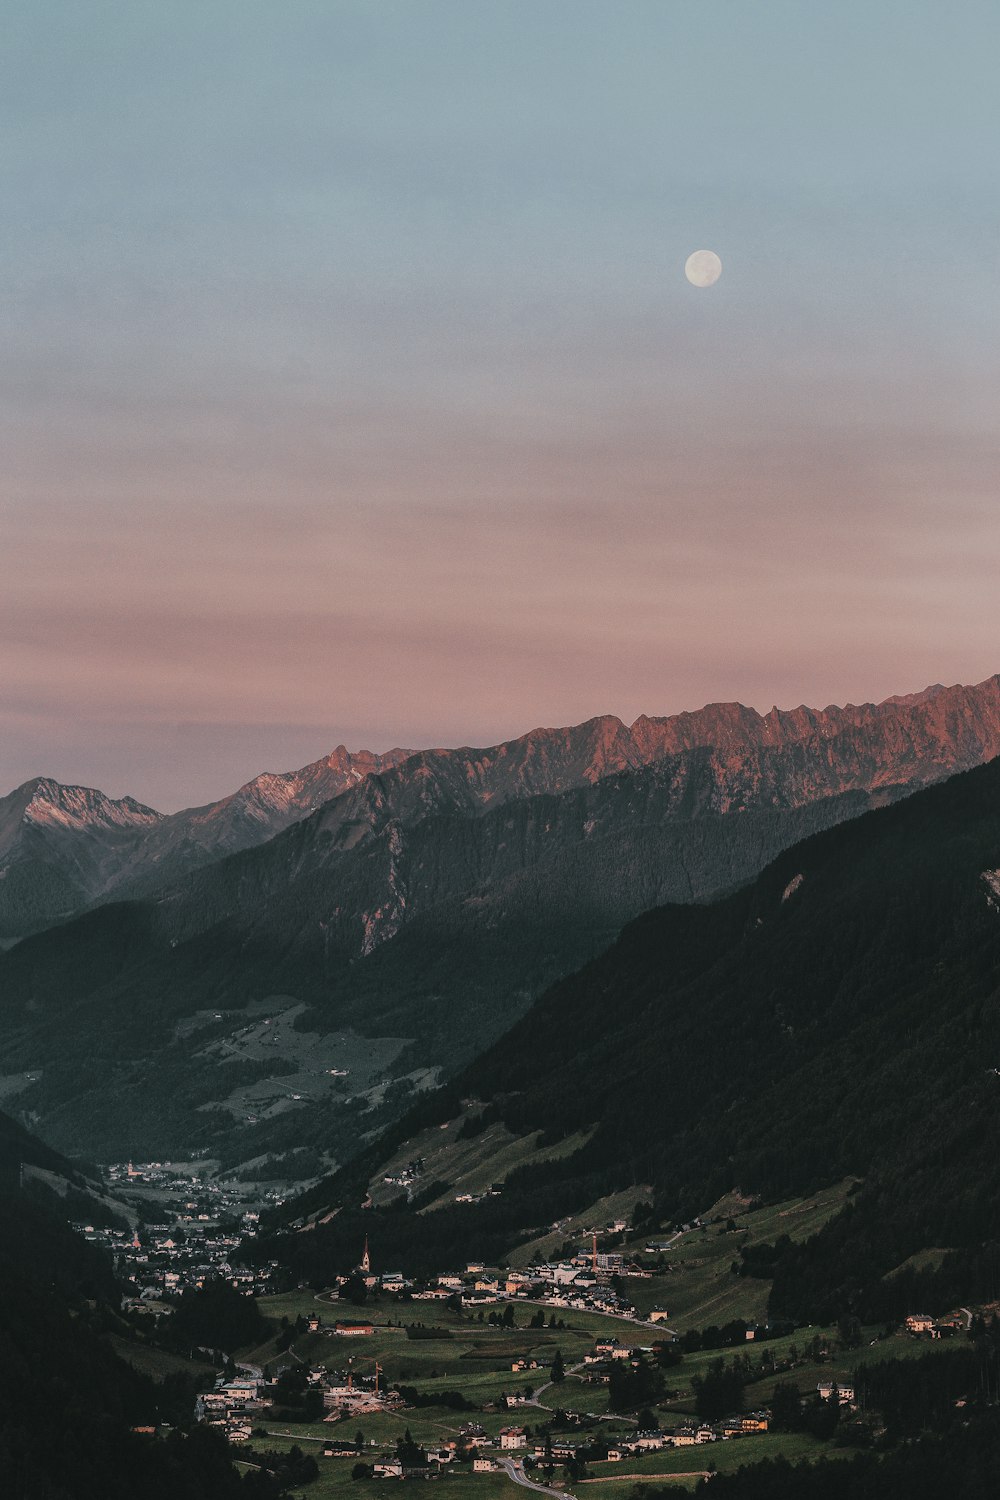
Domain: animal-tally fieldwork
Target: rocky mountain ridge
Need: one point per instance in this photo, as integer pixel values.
(48, 803)
(62, 848)
(73, 846)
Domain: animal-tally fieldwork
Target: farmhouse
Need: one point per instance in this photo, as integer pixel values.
(612, 1349)
(646, 1442)
(845, 1392)
(754, 1421)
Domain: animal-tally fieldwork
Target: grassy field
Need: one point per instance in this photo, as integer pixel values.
(476, 1351)
(158, 1363)
(604, 1211)
(838, 1364)
(697, 1285)
(468, 1166)
(475, 1360)
(688, 1464)
(334, 1480)
(693, 1278)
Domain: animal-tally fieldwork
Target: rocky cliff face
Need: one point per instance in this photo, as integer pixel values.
(784, 758)
(256, 812)
(905, 740)
(726, 758)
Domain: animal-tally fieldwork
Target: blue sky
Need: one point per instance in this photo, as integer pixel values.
(353, 389)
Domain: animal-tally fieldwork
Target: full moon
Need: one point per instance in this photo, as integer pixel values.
(703, 268)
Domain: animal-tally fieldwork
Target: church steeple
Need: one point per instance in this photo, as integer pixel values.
(366, 1260)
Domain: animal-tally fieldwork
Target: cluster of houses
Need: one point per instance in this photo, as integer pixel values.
(160, 1261)
(232, 1404)
(197, 1195)
(922, 1326)
(582, 1284)
(578, 1284)
(474, 1442)
(188, 1246)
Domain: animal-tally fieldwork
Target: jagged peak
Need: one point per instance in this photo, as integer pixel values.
(43, 800)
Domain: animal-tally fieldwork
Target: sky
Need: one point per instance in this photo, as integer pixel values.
(353, 391)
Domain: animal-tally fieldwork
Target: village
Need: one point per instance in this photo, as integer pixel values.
(553, 1372)
(542, 1375)
(198, 1229)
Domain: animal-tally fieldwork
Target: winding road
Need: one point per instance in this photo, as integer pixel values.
(515, 1471)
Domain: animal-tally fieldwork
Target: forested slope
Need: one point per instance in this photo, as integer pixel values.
(841, 1016)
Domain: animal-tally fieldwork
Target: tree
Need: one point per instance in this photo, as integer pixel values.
(558, 1367)
(630, 1387)
(409, 1453)
(217, 1317)
(718, 1391)
(354, 1290)
(786, 1407)
(849, 1332)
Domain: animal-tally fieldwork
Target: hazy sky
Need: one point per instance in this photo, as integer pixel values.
(352, 389)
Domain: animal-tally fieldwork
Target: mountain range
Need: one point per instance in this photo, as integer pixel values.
(64, 848)
(277, 974)
(839, 1017)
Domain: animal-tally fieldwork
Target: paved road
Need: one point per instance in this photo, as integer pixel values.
(534, 1401)
(611, 1416)
(643, 1478)
(621, 1317)
(516, 1472)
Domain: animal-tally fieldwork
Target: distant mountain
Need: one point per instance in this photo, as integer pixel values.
(59, 847)
(838, 1017)
(290, 997)
(63, 849)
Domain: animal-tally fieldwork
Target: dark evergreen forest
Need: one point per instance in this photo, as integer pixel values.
(839, 1017)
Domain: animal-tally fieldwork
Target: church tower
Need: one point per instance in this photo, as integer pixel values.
(366, 1260)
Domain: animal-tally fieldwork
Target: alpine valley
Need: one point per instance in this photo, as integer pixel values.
(275, 976)
(683, 1039)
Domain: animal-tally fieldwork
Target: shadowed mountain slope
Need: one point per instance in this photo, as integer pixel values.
(292, 996)
(222, 1014)
(839, 1017)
